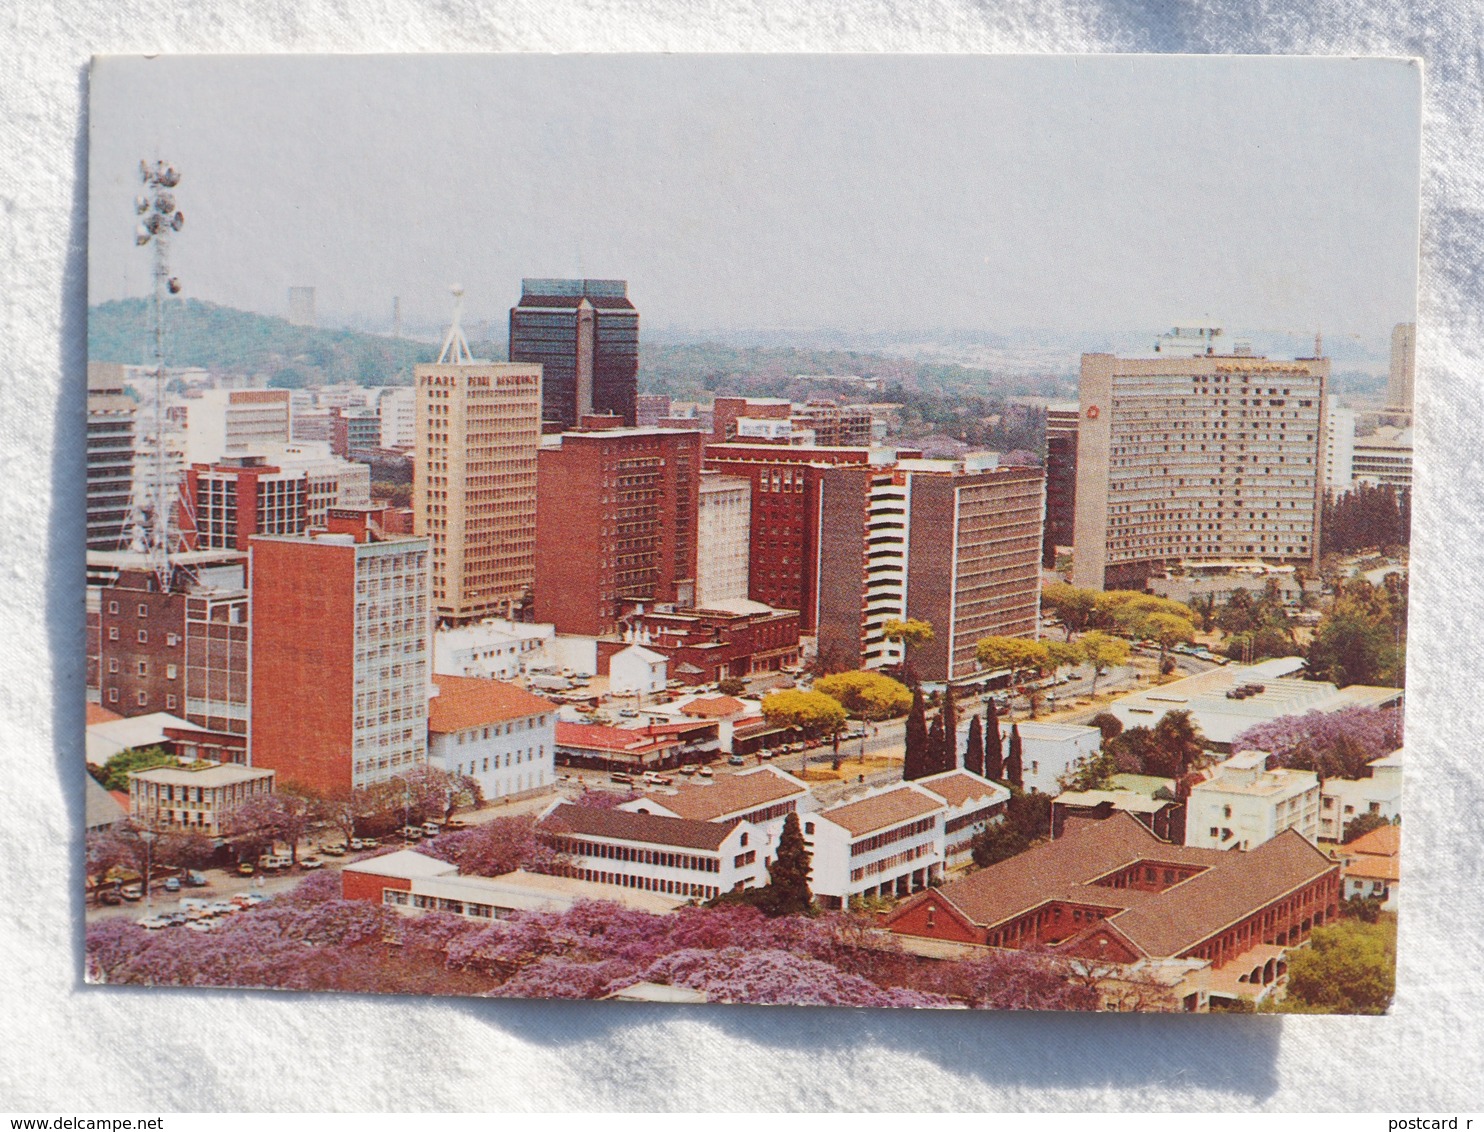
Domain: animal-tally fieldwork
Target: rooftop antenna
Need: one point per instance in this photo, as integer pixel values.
(151, 529)
(454, 342)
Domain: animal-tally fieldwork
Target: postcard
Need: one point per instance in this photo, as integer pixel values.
(874, 531)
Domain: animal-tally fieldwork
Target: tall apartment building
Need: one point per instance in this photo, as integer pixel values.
(1196, 458)
(1061, 478)
(584, 333)
(616, 513)
(783, 565)
(224, 423)
(474, 483)
(340, 655)
(723, 539)
(1384, 457)
(109, 457)
(362, 430)
(238, 497)
(1403, 376)
(1339, 448)
(953, 543)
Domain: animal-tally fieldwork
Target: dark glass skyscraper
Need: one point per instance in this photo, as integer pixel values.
(585, 334)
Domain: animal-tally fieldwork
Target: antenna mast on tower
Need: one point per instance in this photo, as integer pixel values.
(153, 534)
(454, 342)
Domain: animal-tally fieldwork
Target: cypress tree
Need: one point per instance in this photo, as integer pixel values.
(937, 746)
(915, 765)
(950, 731)
(974, 755)
(1014, 766)
(788, 876)
(994, 750)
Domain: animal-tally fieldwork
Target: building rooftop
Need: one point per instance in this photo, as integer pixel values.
(960, 787)
(108, 738)
(625, 825)
(714, 707)
(100, 806)
(1132, 801)
(879, 811)
(200, 774)
(97, 713)
(463, 702)
(597, 737)
(404, 864)
(733, 794)
(1385, 841)
(1229, 885)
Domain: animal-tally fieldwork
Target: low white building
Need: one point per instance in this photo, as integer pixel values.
(1372, 867)
(637, 671)
(727, 712)
(193, 797)
(1245, 804)
(1048, 751)
(412, 883)
(499, 735)
(1224, 702)
(697, 860)
(494, 648)
(763, 797)
(888, 843)
(1342, 800)
(974, 804)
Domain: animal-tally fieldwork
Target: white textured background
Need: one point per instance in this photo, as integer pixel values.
(64, 1046)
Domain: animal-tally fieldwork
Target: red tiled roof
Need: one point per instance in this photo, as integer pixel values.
(646, 829)
(1384, 841)
(716, 707)
(732, 794)
(463, 702)
(97, 713)
(957, 787)
(1373, 866)
(1232, 885)
(891, 808)
(596, 737)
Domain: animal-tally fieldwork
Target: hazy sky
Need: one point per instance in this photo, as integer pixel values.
(848, 192)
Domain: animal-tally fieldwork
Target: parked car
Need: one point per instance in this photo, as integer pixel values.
(736, 760)
(222, 908)
(704, 772)
(412, 833)
(272, 862)
(620, 777)
(109, 896)
(172, 884)
(154, 923)
(370, 843)
(357, 844)
(431, 829)
(132, 892)
(332, 850)
(653, 779)
(246, 869)
(311, 863)
(195, 879)
(452, 824)
(689, 768)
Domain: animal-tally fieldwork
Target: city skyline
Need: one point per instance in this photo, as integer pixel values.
(890, 195)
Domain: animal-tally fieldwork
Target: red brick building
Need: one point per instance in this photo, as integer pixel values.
(340, 655)
(1112, 891)
(230, 501)
(706, 645)
(615, 523)
(784, 564)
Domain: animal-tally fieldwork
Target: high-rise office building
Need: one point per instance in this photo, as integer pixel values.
(478, 425)
(955, 543)
(110, 457)
(723, 539)
(340, 655)
(616, 520)
(1403, 376)
(1061, 479)
(584, 333)
(235, 422)
(1203, 457)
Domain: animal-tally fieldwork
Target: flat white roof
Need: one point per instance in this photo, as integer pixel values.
(404, 864)
(223, 774)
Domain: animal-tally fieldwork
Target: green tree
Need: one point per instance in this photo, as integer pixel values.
(732, 686)
(1027, 821)
(867, 695)
(1015, 762)
(1095, 772)
(1062, 654)
(909, 633)
(1102, 652)
(813, 713)
(1169, 630)
(974, 752)
(994, 747)
(114, 774)
(1108, 723)
(1015, 654)
(1073, 605)
(1349, 967)
(948, 756)
(1361, 640)
(916, 763)
(787, 892)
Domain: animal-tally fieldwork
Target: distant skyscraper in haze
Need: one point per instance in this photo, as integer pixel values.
(1403, 366)
(301, 306)
(585, 335)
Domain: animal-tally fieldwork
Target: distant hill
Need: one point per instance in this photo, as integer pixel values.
(233, 341)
